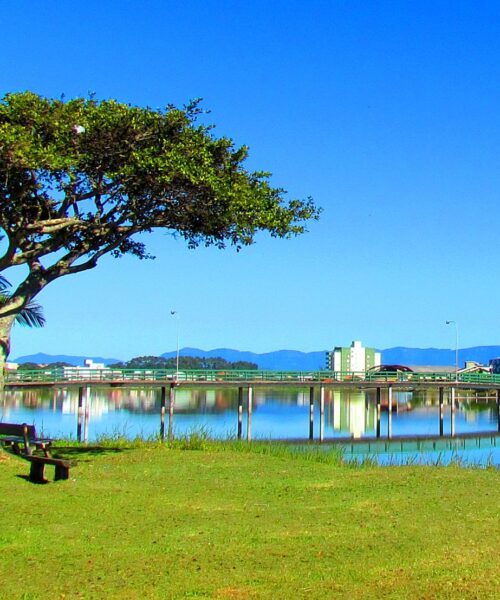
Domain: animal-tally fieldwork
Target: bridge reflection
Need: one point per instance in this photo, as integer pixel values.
(314, 413)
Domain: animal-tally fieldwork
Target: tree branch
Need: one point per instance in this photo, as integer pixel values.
(52, 225)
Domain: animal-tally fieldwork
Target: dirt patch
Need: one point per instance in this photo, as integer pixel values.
(233, 593)
(4, 457)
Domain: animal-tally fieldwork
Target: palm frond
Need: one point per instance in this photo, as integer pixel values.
(31, 315)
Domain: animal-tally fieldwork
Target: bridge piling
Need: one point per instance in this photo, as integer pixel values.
(240, 412)
(498, 410)
(311, 413)
(249, 414)
(321, 413)
(441, 415)
(378, 411)
(389, 413)
(452, 412)
(87, 415)
(171, 403)
(163, 394)
(79, 415)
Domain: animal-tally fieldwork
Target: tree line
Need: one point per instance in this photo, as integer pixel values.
(185, 362)
(160, 362)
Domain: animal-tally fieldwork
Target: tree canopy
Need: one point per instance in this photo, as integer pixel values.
(80, 179)
(185, 362)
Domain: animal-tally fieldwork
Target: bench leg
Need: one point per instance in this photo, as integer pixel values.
(37, 473)
(62, 472)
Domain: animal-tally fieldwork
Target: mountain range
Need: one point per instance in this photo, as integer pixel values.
(294, 360)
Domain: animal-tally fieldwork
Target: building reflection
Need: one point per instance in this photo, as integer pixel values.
(349, 412)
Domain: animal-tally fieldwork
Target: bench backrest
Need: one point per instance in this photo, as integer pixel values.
(26, 431)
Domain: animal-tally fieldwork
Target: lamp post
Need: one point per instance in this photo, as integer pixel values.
(173, 313)
(456, 346)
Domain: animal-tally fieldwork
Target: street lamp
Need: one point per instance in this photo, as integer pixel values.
(173, 313)
(456, 346)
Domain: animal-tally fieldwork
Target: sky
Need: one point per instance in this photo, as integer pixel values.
(385, 112)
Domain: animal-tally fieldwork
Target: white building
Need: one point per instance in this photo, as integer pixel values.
(90, 368)
(354, 359)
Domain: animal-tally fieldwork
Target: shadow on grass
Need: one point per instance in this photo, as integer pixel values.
(86, 453)
(28, 480)
(76, 454)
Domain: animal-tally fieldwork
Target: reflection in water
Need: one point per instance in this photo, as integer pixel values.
(278, 412)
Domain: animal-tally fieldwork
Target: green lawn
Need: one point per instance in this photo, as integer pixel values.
(159, 522)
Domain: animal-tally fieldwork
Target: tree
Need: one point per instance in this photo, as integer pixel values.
(31, 366)
(143, 362)
(30, 315)
(185, 362)
(80, 179)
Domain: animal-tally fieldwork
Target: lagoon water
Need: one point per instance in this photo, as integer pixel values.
(277, 414)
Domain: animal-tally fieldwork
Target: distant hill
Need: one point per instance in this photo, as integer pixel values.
(41, 359)
(435, 356)
(281, 360)
(294, 360)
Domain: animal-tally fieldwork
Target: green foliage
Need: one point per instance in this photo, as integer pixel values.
(142, 362)
(198, 439)
(81, 179)
(185, 362)
(30, 366)
(84, 177)
(30, 315)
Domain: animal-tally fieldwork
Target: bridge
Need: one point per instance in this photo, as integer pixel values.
(168, 380)
(202, 377)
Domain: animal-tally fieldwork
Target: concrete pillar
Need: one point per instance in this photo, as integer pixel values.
(249, 414)
(321, 413)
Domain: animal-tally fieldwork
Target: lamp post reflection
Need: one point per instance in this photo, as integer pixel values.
(175, 314)
(456, 346)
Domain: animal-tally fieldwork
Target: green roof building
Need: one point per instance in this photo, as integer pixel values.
(352, 359)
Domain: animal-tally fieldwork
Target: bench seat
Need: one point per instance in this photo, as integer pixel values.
(22, 438)
(15, 444)
(37, 468)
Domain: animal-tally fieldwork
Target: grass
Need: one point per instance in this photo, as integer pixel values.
(195, 519)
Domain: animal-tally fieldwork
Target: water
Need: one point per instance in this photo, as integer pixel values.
(278, 413)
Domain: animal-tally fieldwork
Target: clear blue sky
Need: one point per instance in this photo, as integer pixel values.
(386, 112)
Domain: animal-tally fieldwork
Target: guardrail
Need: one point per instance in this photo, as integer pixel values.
(203, 375)
(412, 376)
(187, 375)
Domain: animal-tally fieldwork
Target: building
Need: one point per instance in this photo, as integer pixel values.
(352, 359)
(87, 372)
(495, 365)
(472, 366)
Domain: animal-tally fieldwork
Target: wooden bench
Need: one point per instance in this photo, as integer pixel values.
(37, 468)
(22, 438)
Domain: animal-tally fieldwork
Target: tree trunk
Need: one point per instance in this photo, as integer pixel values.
(5, 327)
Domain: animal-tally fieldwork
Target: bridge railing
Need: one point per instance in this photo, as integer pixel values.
(188, 375)
(217, 375)
(446, 377)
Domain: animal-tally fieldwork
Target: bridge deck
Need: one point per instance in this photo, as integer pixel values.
(76, 376)
(245, 383)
